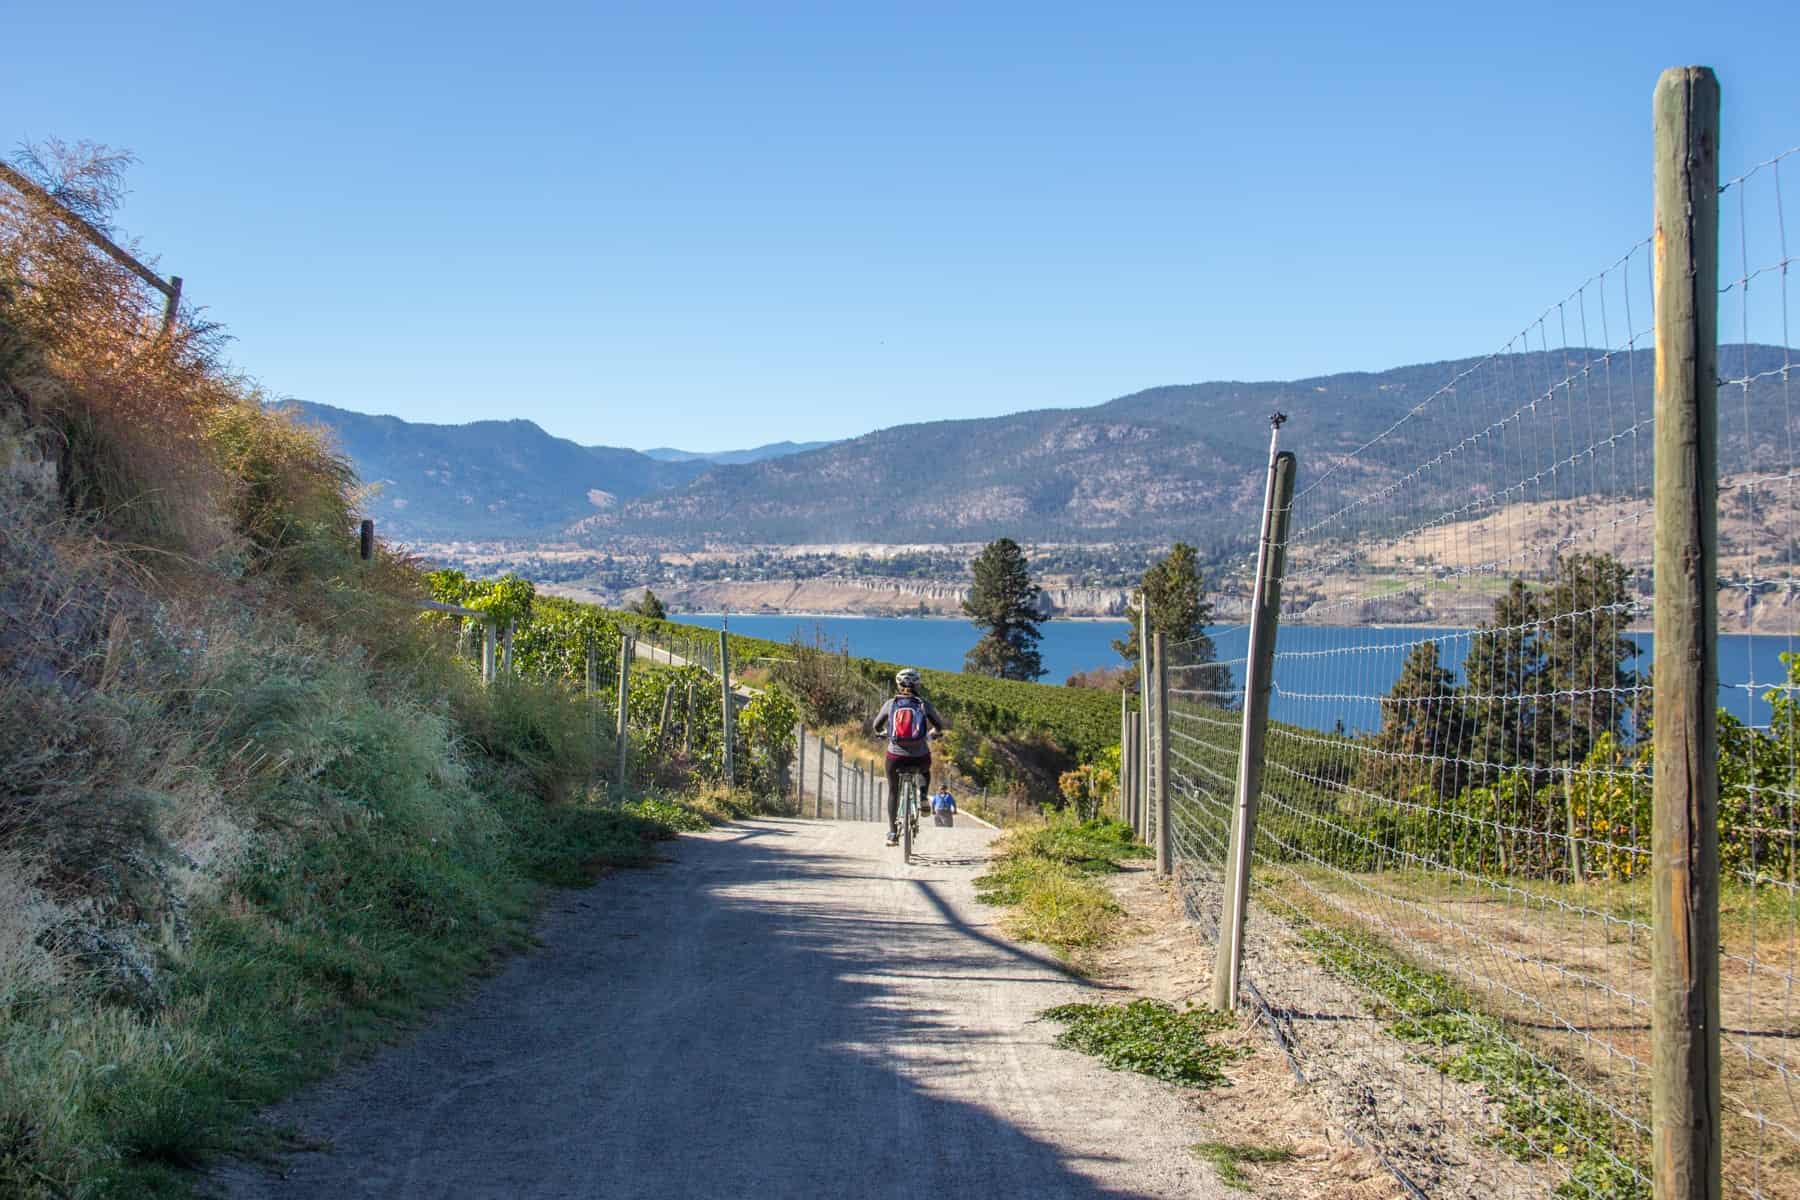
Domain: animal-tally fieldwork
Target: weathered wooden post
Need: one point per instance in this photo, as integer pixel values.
(662, 721)
(489, 635)
(1146, 749)
(1165, 844)
(687, 725)
(1684, 850)
(627, 651)
(506, 648)
(819, 788)
(800, 769)
(837, 792)
(1265, 615)
(727, 716)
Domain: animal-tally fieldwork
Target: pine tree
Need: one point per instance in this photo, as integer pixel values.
(1174, 595)
(1588, 653)
(1005, 602)
(1507, 674)
(1424, 738)
(651, 606)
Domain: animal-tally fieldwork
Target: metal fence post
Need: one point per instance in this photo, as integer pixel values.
(1165, 856)
(1265, 615)
(727, 717)
(687, 725)
(1133, 734)
(589, 686)
(1684, 842)
(1124, 755)
(627, 648)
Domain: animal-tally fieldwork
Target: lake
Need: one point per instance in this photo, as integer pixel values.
(1324, 673)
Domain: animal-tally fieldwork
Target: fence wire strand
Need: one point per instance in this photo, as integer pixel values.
(1450, 908)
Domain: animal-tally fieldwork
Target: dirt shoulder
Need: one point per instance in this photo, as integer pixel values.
(1161, 954)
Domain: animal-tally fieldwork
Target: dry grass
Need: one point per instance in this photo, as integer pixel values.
(1567, 967)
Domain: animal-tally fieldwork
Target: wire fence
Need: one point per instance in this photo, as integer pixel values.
(1450, 913)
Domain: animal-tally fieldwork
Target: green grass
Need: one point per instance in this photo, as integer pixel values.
(1228, 1159)
(1151, 1038)
(1542, 1114)
(393, 838)
(677, 816)
(1046, 875)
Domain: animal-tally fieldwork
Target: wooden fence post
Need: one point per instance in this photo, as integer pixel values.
(727, 718)
(1265, 615)
(819, 788)
(1146, 756)
(1160, 690)
(662, 723)
(1684, 840)
(800, 769)
(506, 648)
(627, 651)
(837, 792)
(489, 635)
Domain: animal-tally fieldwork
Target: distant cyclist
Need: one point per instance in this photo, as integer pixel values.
(908, 721)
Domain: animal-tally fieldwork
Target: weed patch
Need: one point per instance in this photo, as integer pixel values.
(1228, 1159)
(1542, 1113)
(677, 816)
(1046, 875)
(1151, 1038)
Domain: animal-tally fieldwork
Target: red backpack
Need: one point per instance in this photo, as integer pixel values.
(907, 723)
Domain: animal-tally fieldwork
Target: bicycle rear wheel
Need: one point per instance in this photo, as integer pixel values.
(910, 802)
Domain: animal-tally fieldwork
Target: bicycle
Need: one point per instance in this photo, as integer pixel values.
(913, 783)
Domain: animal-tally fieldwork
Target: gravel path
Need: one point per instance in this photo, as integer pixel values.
(786, 1010)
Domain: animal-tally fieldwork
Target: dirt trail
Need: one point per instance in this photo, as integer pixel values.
(786, 1010)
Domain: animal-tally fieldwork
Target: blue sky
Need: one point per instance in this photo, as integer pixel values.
(717, 225)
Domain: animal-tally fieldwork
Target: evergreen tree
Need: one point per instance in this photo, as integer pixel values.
(1005, 602)
(1424, 738)
(1175, 597)
(650, 605)
(1588, 654)
(1507, 674)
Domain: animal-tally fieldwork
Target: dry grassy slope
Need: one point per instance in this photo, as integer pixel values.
(1450, 573)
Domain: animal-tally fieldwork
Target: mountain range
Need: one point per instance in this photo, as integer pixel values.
(729, 457)
(1182, 460)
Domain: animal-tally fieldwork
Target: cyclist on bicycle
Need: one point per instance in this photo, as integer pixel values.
(908, 721)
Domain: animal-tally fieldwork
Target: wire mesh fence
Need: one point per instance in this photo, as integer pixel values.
(1450, 913)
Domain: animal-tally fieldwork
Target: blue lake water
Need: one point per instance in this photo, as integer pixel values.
(1323, 674)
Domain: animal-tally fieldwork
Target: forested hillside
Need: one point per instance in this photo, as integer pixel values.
(1171, 461)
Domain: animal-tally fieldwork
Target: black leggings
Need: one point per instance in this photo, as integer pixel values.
(895, 765)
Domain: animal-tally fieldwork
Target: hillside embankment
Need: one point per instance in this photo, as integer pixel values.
(253, 811)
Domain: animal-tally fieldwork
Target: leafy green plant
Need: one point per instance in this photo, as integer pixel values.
(1228, 1159)
(1150, 1037)
(1542, 1113)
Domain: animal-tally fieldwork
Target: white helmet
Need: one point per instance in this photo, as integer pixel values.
(906, 677)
